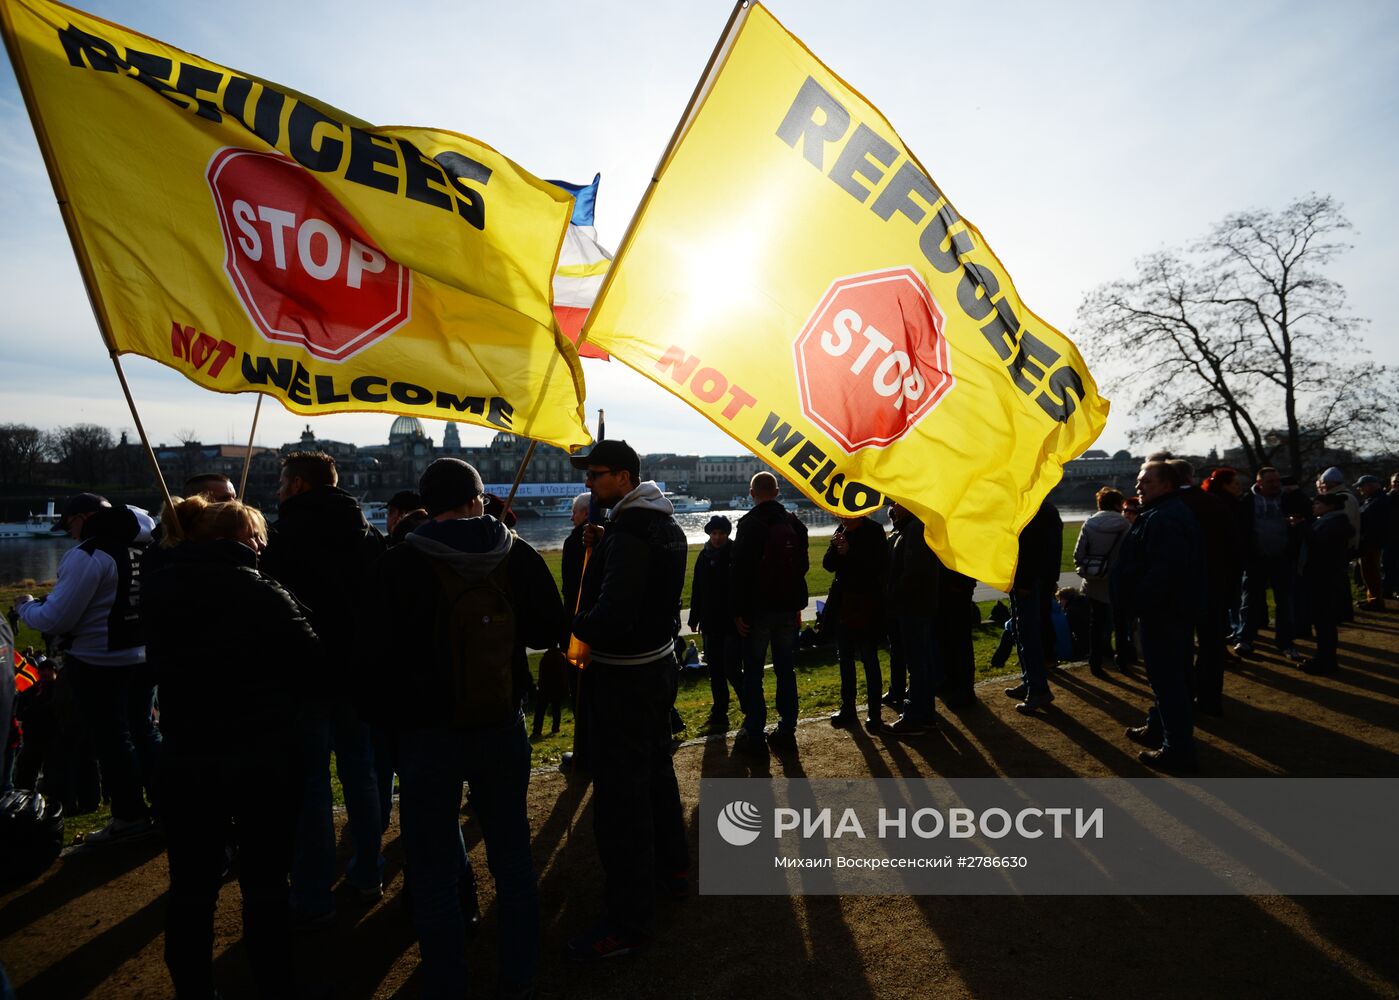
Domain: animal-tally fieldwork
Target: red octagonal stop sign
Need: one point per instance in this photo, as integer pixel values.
(303, 267)
(872, 360)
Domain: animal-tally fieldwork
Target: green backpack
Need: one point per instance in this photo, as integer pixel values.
(476, 637)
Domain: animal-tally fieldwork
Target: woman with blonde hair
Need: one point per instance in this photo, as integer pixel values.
(234, 652)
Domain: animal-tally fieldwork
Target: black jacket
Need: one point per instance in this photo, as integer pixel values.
(1218, 519)
(913, 571)
(1156, 573)
(861, 573)
(631, 591)
(233, 653)
(410, 673)
(710, 608)
(750, 594)
(322, 550)
(572, 571)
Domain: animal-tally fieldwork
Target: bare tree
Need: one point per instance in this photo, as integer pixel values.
(1244, 331)
(82, 450)
(21, 449)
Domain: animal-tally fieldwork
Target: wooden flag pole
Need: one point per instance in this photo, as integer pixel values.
(248, 458)
(519, 475)
(719, 49)
(94, 293)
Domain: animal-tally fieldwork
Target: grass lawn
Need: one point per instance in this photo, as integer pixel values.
(818, 676)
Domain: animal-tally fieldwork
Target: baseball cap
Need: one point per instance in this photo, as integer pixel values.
(615, 454)
(1333, 477)
(82, 503)
(1368, 480)
(447, 484)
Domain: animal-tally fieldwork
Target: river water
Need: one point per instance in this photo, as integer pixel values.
(37, 559)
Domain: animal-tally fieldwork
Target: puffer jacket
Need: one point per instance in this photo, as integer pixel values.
(1102, 535)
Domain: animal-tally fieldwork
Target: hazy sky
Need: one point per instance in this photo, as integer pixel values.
(1076, 136)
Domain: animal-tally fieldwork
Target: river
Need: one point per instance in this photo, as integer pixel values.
(37, 559)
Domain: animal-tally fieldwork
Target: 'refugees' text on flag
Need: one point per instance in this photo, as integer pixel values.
(798, 277)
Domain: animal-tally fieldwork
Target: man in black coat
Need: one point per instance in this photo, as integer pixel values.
(629, 616)
(712, 615)
(321, 549)
(1036, 579)
(1155, 579)
(859, 557)
(1218, 519)
(911, 598)
(769, 595)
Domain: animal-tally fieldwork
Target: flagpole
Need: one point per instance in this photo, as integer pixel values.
(519, 475)
(94, 294)
(739, 7)
(248, 458)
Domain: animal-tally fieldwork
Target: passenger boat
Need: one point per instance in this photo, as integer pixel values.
(35, 526)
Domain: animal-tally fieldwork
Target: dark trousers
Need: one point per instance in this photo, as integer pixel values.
(723, 653)
(1125, 643)
(637, 816)
(1166, 651)
(1030, 607)
(1207, 677)
(898, 666)
(1327, 639)
(259, 793)
(542, 708)
(863, 643)
(956, 660)
(1276, 572)
(115, 705)
(1100, 627)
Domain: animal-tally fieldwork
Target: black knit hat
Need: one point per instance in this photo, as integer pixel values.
(449, 483)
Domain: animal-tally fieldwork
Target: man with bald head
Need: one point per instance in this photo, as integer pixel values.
(768, 596)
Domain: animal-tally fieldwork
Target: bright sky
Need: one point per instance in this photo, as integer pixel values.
(1076, 136)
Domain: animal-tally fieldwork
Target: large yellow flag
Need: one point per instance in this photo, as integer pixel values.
(796, 276)
(254, 238)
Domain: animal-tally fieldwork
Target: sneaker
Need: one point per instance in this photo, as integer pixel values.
(748, 744)
(1168, 760)
(1018, 692)
(1034, 701)
(306, 923)
(906, 726)
(783, 739)
(1147, 736)
(603, 942)
(845, 718)
(120, 830)
(1317, 669)
(367, 896)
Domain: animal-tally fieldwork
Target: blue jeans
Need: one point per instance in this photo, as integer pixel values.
(333, 727)
(1166, 652)
(778, 628)
(1028, 607)
(918, 641)
(432, 764)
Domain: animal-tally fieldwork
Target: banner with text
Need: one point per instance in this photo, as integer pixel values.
(799, 279)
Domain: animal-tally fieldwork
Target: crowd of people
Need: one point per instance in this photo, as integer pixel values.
(212, 664)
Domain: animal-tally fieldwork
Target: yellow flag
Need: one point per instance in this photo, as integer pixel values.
(797, 277)
(254, 238)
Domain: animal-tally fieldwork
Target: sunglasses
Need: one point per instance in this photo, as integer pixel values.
(590, 475)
